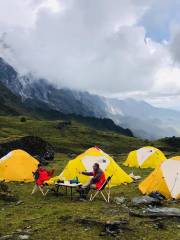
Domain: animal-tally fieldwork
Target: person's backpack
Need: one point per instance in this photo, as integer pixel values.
(36, 175)
(157, 195)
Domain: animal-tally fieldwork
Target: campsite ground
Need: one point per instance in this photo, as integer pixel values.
(57, 217)
(53, 217)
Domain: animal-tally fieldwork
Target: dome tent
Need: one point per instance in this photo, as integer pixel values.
(145, 157)
(85, 162)
(164, 179)
(17, 165)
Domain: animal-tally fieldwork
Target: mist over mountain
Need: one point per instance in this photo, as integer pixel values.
(143, 119)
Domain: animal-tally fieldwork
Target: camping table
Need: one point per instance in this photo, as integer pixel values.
(67, 185)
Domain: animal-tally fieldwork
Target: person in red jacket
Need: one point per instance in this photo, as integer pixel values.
(41, 175)
(96, 182)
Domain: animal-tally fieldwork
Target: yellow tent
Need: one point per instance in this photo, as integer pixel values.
(145, 157)
(85, 162)
(17, 165)
(164, 179)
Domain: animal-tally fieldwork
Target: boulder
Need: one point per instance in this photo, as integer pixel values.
(164, 211)
(35, 146)
(4, 187)
(115, 227)
(24, 237)
(157, 212)
(144, 200)
(63, 124)
(119, 200)
(8, 197)
(5, 193)
(6, 237)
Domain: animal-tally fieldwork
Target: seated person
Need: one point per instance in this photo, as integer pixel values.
(41, 175)
(96, 182)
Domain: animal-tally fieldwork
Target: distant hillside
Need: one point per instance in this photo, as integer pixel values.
(47, 100)
(22, 97)
(10, 104)
(67, 137)
(73, 137)
(39, 109)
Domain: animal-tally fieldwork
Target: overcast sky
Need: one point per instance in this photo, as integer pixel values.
(119, 48)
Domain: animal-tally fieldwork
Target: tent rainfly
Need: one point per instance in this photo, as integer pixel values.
(85, 162)
(17, 165)
(164, 179)
(145, 157)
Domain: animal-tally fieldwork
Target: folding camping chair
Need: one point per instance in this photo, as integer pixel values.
(40, 187)
(36, 188)
(104, 193)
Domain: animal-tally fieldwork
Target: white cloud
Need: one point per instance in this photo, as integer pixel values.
(160, 17)
(90, 45)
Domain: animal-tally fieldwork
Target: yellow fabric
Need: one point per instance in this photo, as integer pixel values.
(155, 182)
(152, 161)
(18, 165)
(178, 196)
(176, 158)
(132, 160)
(75, 166)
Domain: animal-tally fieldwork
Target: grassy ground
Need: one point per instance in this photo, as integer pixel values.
(72, 139)
(53, 217)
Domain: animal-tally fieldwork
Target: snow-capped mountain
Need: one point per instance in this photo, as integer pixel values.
(143, 119)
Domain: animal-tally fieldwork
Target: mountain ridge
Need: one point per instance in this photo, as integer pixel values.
(142, 118)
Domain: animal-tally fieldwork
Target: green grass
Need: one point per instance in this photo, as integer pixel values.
(72, 139)
(44, 215)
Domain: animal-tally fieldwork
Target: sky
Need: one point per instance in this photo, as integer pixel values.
(115, 48)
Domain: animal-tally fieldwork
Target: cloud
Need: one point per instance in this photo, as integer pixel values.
(174, 44)
(159, 18)
(98, 46)
(87, 46)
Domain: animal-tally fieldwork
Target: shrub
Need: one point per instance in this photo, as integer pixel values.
(23, 119)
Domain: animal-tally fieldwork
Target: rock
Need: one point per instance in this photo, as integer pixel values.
(5, 193)
(164, 211)
(159, 225)
(119, 200)
(157, 212)
(63, 124)
(107, 228)
(35, 146)
(82, 200)
(65, 218)
(19, 202)
(24, 237)
(19, 230)
(8, 197)
(28, 227)
(144, 200)
(4, 187)
(102, 234)
(6, 237)
(134, 177)
(115, 227)
(112, 212)
(88, 222)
